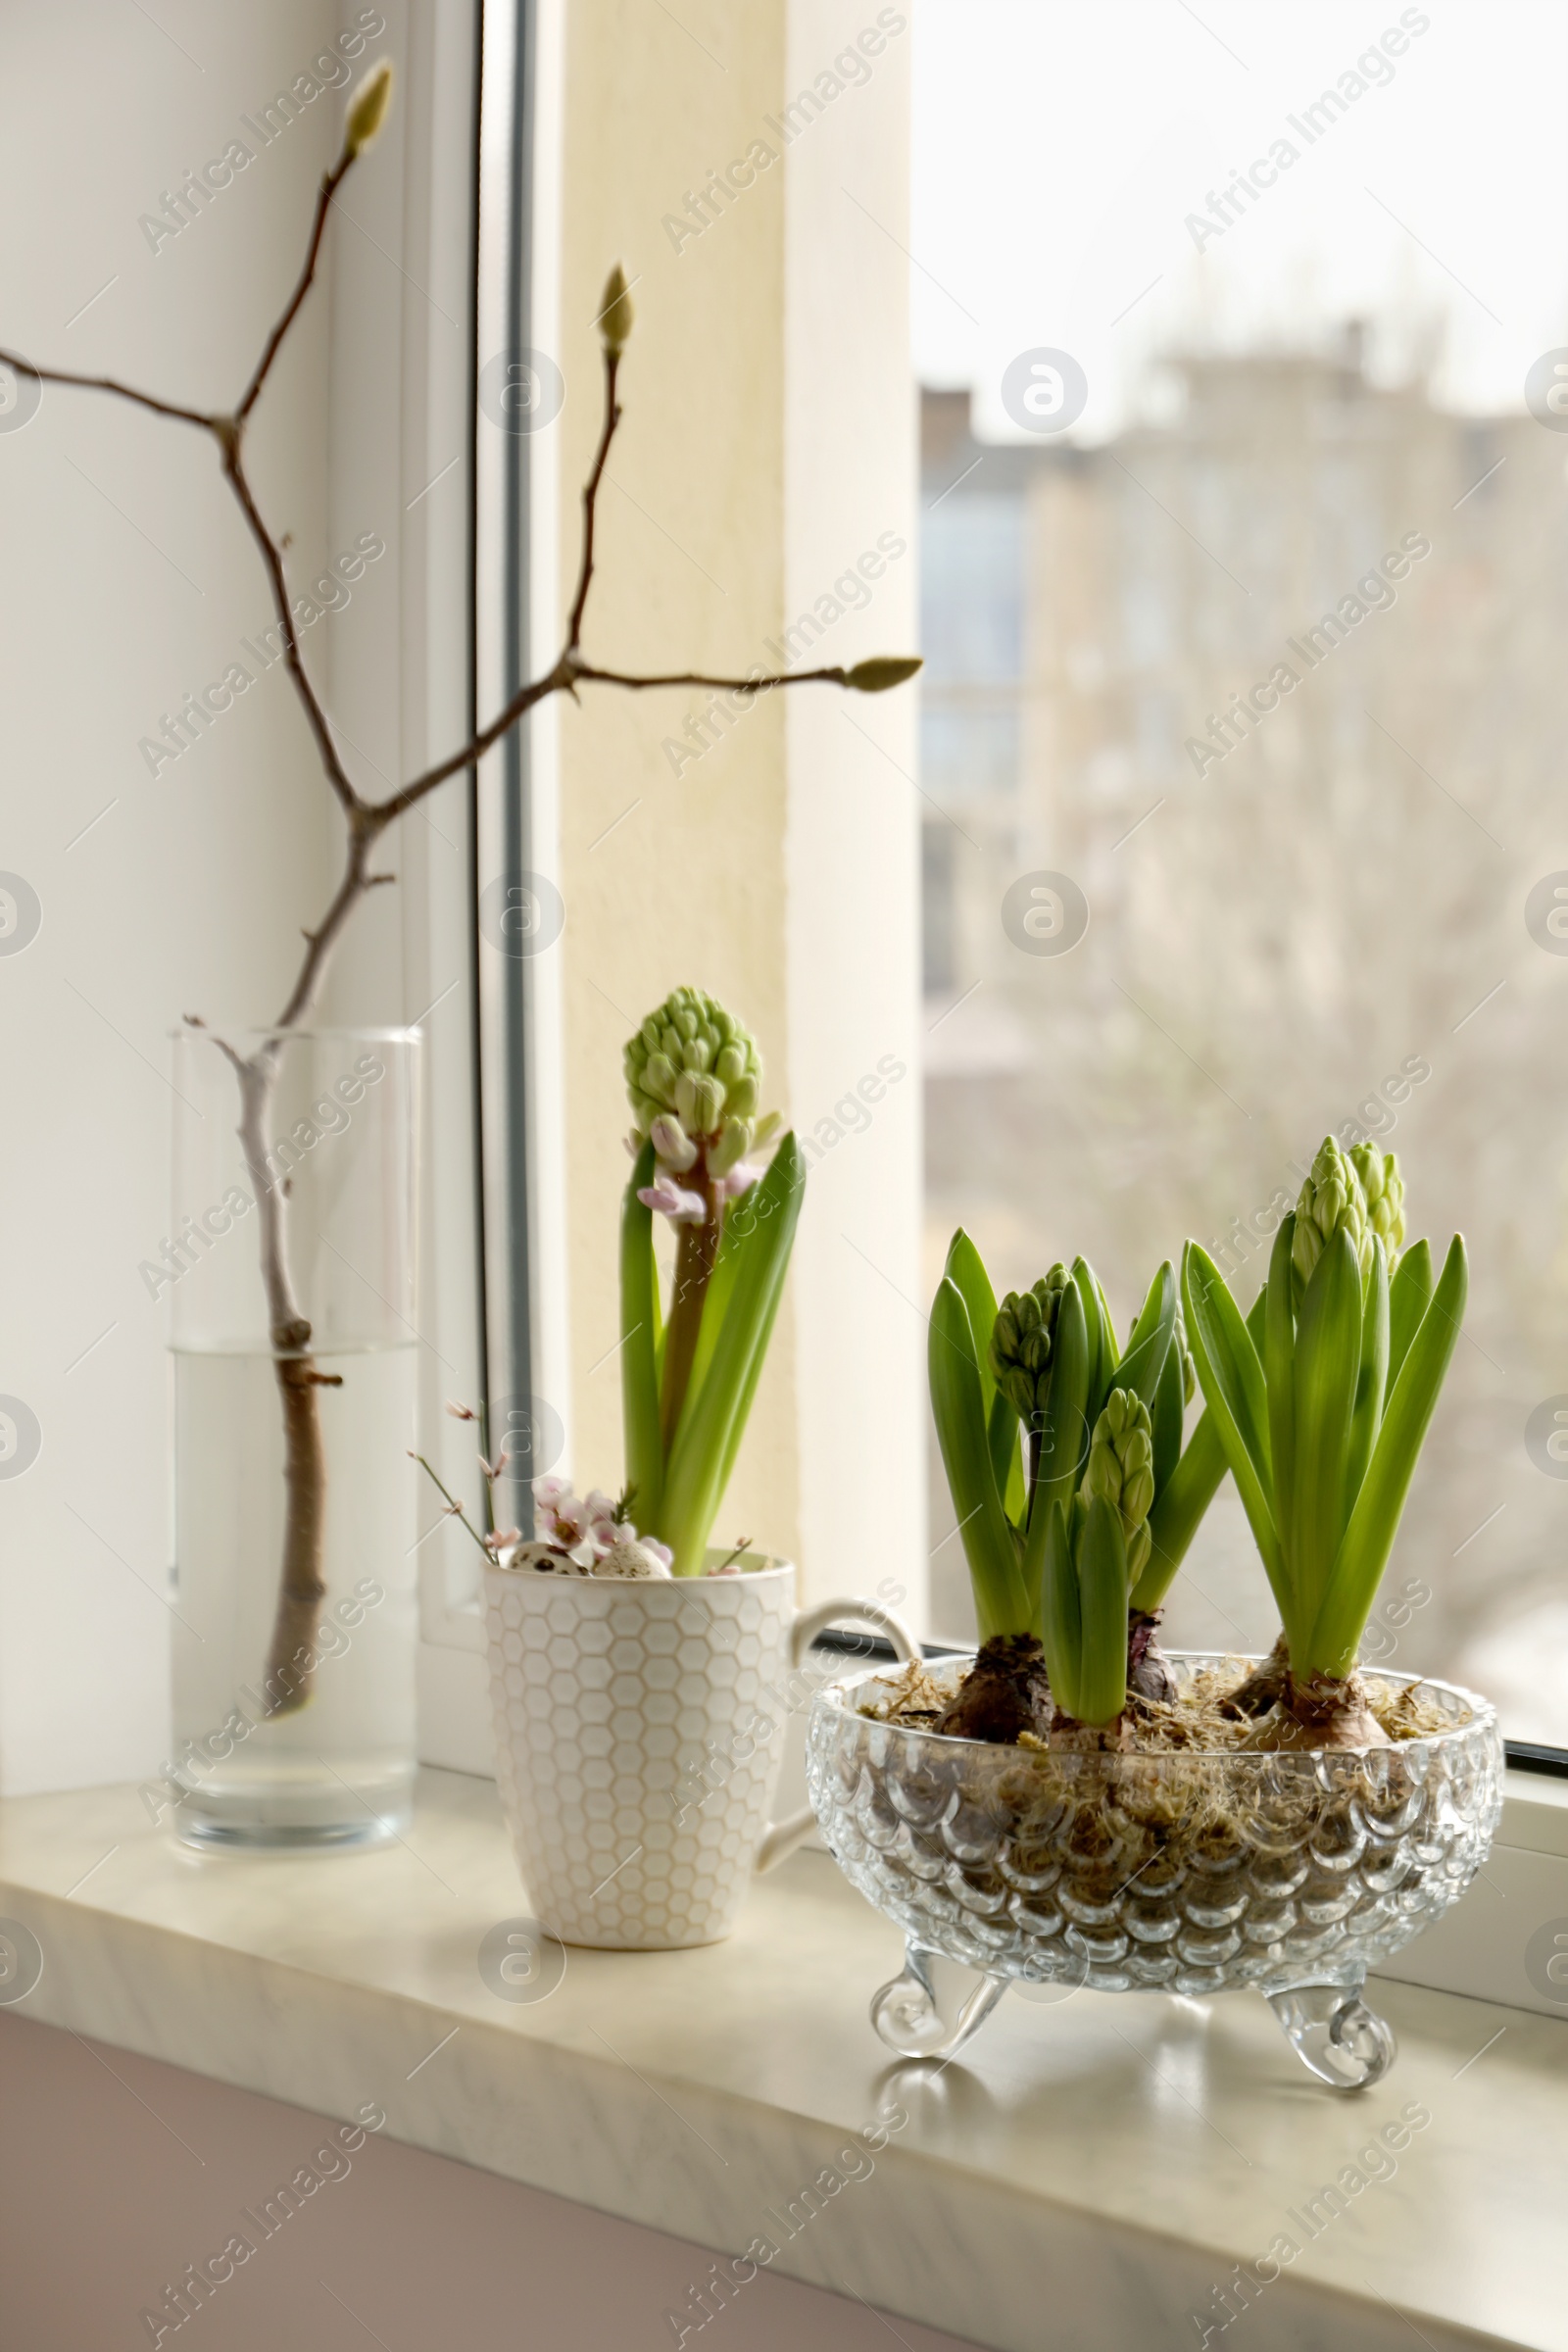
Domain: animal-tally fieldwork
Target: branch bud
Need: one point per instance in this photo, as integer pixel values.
(616, 313)
(882, 671)
(367, 109)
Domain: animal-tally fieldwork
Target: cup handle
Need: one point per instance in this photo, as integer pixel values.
(781, 1838)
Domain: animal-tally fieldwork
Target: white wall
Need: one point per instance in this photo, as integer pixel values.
(130, 581)
(852, 844)
(767, 441)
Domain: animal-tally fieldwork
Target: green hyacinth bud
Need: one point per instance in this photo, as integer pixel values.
(734, 1142)
(674, 1147)
(1331, 1198)
(1121, 1468)
(693, 1076)
(1021, 1340)
(699, 1100)
(658, 1079)
(1384, 1189)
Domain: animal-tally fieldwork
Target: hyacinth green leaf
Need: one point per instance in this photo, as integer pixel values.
(712, 1419)
(640, 1332)
(1101, 1337)
(1001, 1603)
(1141, 1367)
(1179, 1507)
(1061, 1622)
(1375, 1520)
(1234, 1391)
(1148, 1316)
(1409, 1297)
(1064, 1440)
(1371, 1381)
(1102, 1615)
(1279, 1373)
(715, 1300)
(1182, 1499)
(1166, 1415)
(1232, 1380)
(1328, 1361)
(1110, 1349)
(966, 1268)
(1107, 1325)
(742, 1230)
(1006, 1458)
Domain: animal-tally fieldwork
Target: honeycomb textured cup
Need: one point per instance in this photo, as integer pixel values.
(637, 1744)
(1184, 1873)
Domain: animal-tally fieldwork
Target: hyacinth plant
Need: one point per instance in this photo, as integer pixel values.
(1057, 1451)
(1321, 1402)
(689, 1374)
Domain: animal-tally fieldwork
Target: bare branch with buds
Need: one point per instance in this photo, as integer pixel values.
(302, 1585)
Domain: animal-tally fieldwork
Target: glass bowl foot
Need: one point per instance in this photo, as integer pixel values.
(907, 2018)
(1335, 2035)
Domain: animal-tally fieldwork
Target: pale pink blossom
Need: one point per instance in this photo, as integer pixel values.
(672, 1201)
(660, 1551)
(741, 1177)
(583, 1529)
(461, 1412)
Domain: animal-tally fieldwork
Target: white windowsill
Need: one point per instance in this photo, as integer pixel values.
(1089, 2172)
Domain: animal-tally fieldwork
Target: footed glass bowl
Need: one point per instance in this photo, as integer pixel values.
(1186, 1872)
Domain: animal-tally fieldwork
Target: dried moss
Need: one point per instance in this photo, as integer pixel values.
(1196, 1720)
(1188, 1790)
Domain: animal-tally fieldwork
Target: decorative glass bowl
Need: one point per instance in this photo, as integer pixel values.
(1187, 1871)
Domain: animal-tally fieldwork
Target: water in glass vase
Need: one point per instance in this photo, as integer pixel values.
(337, 1770)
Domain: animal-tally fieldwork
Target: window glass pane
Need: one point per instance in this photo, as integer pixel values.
(1245, 577)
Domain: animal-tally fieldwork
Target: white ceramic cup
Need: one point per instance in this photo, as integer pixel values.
(639, 1731)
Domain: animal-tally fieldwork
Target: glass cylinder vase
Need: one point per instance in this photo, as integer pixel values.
(290, 1272)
